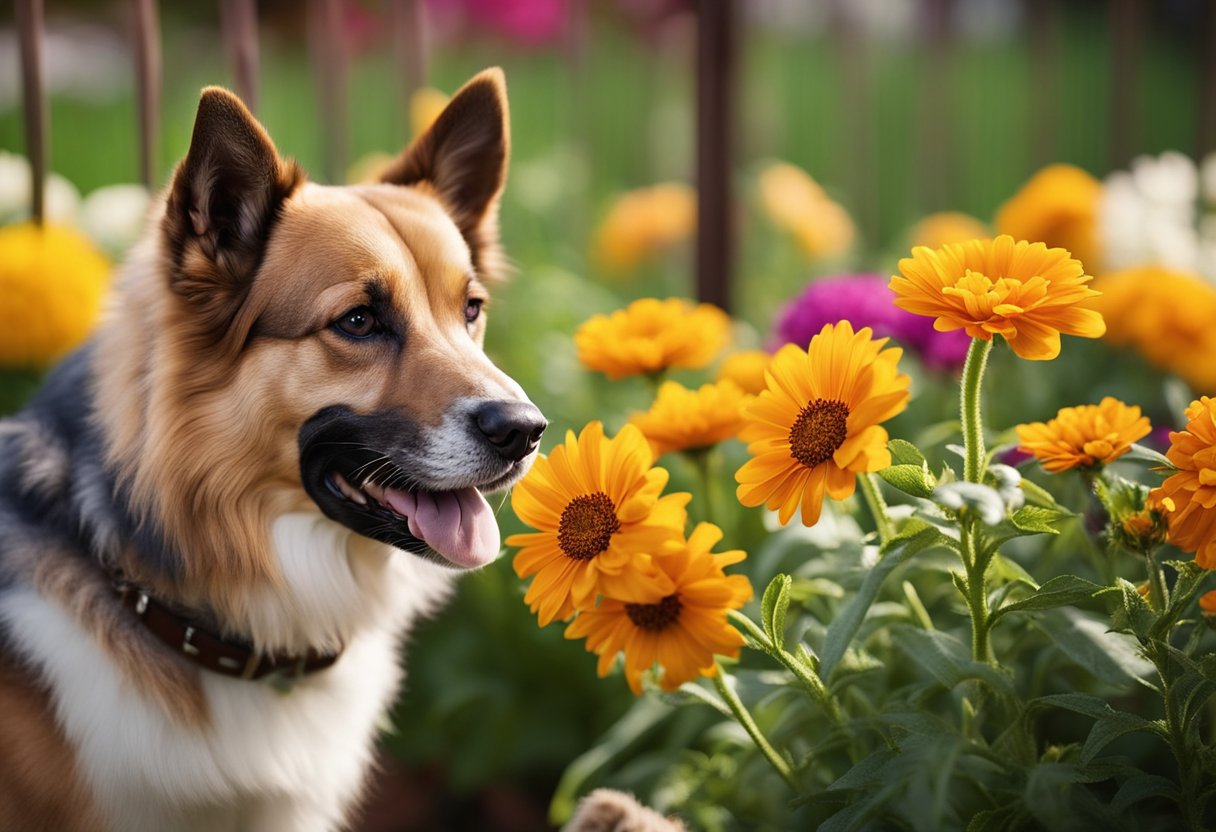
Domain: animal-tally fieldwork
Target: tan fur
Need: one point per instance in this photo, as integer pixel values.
(607, 810)
(40, 789)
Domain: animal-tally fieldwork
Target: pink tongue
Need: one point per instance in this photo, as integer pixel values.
(457, 524)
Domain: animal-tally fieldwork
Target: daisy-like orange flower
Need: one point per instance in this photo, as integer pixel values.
(817, 425)
(595, 503)
(1025, 292)
(683, 420)
(683, 630)
(651, 335)
(1189, 495)
(746, 369)
(1084, 436)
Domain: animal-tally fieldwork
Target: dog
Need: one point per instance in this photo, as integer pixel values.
(220, 516)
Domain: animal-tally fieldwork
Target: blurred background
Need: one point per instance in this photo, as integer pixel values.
(827, 136)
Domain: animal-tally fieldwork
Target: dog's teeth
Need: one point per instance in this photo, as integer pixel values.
(348, 490)
(376, 492)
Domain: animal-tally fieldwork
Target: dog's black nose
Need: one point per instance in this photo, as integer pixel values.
(513, 428)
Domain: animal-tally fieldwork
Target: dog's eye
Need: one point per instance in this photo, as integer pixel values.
(359, 322)
(472, 309)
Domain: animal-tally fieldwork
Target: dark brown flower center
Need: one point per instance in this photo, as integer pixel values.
(818, 431)
(655, 617)
(588, 523)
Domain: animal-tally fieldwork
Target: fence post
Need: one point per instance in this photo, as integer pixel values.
(147, 84)
(239, 24)
(29, 37)
(327, 47)
(716, 45)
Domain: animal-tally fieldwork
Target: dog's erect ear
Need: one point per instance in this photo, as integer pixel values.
(223, 202)
(463, 156)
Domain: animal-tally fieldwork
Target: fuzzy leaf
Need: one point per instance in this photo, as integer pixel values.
(773, 607)
(916, 480)
(1037, 495)
(1142, 453)
(1141, 787)
(1133, 614)
(1039, 520)
(1110, 656)
(904, 452)
(916, 537)
(1065, 590)
(947, 659)
(1108, 728)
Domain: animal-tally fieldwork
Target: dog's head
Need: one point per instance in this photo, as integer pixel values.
(300, 346)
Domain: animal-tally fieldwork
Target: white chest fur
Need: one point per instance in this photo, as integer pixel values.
(268, 760)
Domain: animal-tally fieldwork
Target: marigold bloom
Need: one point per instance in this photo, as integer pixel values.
(52, 281)
(1025, 292)
(644, 222)
(1166, 316)
(1058, 206)
(1188, 496)
(595, 504)
(682, 631)
(1084, 436)
(651, 335)
(682, 420)
(746, 369)
(797, 205)
(945, 227)
(817, 424)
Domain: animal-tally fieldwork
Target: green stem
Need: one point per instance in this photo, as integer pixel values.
(977, 592)
(1184, 755)
(809, 678)
(744, 718)
(973, 425)
(701, 461)
(877, 506)
(1157, 592)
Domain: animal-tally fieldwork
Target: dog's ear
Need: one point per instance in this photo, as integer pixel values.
(463, 156)
(224, 200)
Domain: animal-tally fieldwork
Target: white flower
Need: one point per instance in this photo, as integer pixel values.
(114, 217)
(1148, 215)
(972, 496)
(62, 200)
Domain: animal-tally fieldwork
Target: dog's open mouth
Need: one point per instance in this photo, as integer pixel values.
(459, 525)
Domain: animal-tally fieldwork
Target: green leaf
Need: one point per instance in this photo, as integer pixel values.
(1110, 656)
(1004, 819)
(1039, 520)
(1141, 453)
(1110, 727)
(1037, 495)
(904, 452)
(916, 480)
(773, 606)
(1005, 570)
(1058, 592)
(692, 692)
(1141, 787)
(947, 659)
(916, 537)
(1133, 614)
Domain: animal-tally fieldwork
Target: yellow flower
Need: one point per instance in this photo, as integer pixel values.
(817, 424)
(599, 518)
(1189, 495)
(651, 335)
(682, 420)
(1058, 206)
(683, 630)
(937, 230)
(644, 222)
(746, 369)
(1084, 436)
(1025, 292)
(367, 168)
(426, 104)
(52, 281)
(1164, 315)
(796, 204)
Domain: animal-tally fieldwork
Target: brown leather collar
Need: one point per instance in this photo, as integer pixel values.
(229, 658)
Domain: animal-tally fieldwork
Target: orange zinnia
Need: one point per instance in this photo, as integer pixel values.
(1189, 495)
(683, 630)
(595, 504)
(650, 336)
(1025, 292)
(685, 420)
(817, 424)
(1080, 437)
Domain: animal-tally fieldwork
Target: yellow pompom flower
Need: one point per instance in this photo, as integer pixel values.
(1188, 496)
(1059, 207)
(686, 420)
(426, 103)
(795, 203)
(945, 227)
(595, 503)
(684, 630)
(52, 282)
(1025, 292)
(1084, 436)
(817, 425)
(746, 369)
(643, 223)
(651, 335)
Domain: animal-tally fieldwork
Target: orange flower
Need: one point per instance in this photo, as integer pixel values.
(746, 369)
(650, 335)
(817, 425)
(595, 504)
(681, 419)
(937, 230)
(1084, 436)
(644, 222)
(1059, 206)
(1207, 604)
(796, 204)
(682, 631)
(1189, 495)
(1025, 292)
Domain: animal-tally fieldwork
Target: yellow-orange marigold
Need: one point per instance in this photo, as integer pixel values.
(1189, 494)
(684, 420)
(1084, 436)
(746, 369)
(651, 335)
(796, 204)
(1057, 206)
(644, 222)
(945, 227)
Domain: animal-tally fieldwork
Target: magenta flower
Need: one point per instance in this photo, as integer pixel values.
(865, 300)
